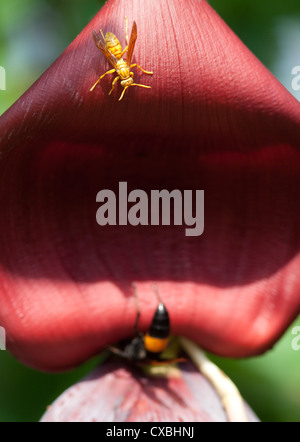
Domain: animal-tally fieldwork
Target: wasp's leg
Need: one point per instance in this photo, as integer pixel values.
(108, 72)
(122, 95)
(141, 85)
(124, 50)
(113, 85)
(145, 72)
(117, 351)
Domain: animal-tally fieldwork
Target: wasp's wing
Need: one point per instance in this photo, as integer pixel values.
(103, 48)
(133, 37)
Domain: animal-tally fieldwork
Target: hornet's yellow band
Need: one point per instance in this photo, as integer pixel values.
(155, 345)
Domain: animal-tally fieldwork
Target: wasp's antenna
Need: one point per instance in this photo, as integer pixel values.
(137, 308)
(102, 34)
(126, 31)
(155, 289)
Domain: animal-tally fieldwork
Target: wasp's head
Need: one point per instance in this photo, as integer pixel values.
(127, 82)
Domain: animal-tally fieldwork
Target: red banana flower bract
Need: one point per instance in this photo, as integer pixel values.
(214, 119)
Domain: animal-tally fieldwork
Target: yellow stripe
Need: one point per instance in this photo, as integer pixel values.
(155, 345)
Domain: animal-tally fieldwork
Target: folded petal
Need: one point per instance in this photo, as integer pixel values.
(116, 393)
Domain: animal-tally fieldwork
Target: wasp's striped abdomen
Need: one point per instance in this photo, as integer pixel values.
(157, 339)
(113, 44)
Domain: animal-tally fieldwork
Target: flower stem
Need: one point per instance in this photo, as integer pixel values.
(226, 389)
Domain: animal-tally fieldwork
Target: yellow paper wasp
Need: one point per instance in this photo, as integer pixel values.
(146, 348)
(112, 50)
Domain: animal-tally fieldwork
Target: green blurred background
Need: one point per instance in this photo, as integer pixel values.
(32, 34)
